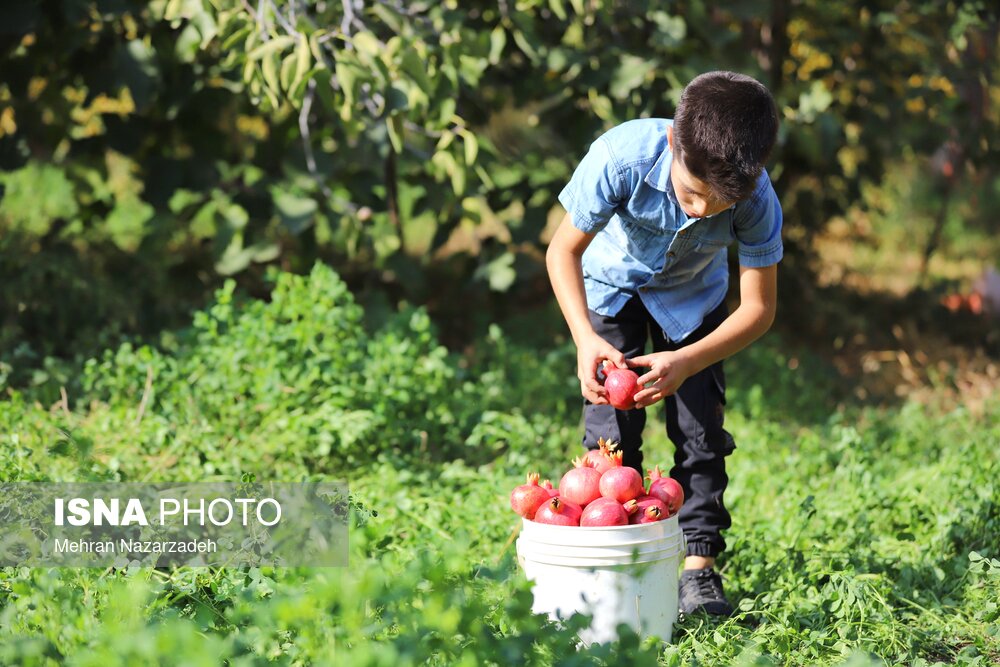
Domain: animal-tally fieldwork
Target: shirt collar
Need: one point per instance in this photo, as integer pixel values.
(659, 174)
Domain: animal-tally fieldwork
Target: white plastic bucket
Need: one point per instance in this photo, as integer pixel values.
(616, 574)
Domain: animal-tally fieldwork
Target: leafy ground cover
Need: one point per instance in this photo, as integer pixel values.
(861, 535)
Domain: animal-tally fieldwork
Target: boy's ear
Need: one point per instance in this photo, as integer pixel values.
(670, 137)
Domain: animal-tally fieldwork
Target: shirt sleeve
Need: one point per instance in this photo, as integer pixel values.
(757, 224)
(595, 189)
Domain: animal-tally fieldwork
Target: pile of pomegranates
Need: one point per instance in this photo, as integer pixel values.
(599, 491)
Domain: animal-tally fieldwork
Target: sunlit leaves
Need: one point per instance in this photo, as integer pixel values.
(35, 196)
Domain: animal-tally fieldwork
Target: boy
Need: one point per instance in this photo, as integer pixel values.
(650, 210)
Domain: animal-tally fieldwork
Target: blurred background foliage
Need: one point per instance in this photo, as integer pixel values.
(305, 239)
(151, 150)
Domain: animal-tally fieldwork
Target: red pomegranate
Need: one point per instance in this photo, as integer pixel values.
(526, 499)
(621, 483)
(580, 484)
(559, 512)
(666, 489)
(622, 385)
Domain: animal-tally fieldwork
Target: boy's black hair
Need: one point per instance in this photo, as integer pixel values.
(724, 129)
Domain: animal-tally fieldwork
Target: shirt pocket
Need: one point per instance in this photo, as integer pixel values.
(646, 242)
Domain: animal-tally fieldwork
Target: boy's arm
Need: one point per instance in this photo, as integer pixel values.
(753, 317)
(563, 260)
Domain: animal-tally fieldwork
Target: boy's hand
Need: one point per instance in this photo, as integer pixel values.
(590, 353)
(667, 372)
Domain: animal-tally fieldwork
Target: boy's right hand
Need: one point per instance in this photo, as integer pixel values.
(590, 354)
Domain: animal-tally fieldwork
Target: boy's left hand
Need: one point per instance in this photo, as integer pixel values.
(667, 372)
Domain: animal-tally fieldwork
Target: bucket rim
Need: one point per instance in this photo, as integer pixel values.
(609, 559)
(633, 526)
(647, 547)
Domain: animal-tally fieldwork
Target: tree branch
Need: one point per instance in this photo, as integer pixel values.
(345, 24)
(289, 28)
(392, 194)
(262, 22)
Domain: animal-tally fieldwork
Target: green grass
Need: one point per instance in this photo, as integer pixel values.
(860, 536)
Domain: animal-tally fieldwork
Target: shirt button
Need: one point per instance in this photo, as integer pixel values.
(670, 254)
(681, 231)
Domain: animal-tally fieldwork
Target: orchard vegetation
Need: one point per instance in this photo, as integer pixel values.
(304, 240)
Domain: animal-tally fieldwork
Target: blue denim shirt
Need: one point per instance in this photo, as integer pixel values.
(645, 243)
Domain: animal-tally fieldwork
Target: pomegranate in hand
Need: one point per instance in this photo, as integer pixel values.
(622, 385)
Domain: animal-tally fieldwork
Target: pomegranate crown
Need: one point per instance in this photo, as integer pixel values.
(547, 484)
(654, 474)
(533, 478)
(606, 446)
(583, 462)
(653, 512)
(615, 458)
(631, 506)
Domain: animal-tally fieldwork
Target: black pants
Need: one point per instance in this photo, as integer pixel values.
(694, 416)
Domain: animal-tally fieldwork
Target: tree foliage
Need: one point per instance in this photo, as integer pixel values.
(152, 149)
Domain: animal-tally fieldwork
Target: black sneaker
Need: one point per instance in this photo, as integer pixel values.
(701, 590)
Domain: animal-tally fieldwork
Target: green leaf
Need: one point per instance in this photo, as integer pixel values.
(389, 17)
(349, 76)
(447, 111)
(235, 258)
(471, 146)
(302, 62)
(296, 212)
(127, 221)
(415, 97)
(232, 40)
(264, 251)
(368, 46)
(23, 210)
(814, 102)
(203, 224)
(558, 9)
(235, 215)
(670, 30)
(498, 39)
(472, 68)
(315, 47)
(288, 71)
(183, 198)
(630, 75)
(394, 124)
(525, 45)
(499, 272)
(416, 68)
(447, 162)
(269, 68)
(396, 99)
(187, 44)
(270, 47)
(600, 105)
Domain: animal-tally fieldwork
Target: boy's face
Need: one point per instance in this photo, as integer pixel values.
(694, 196)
